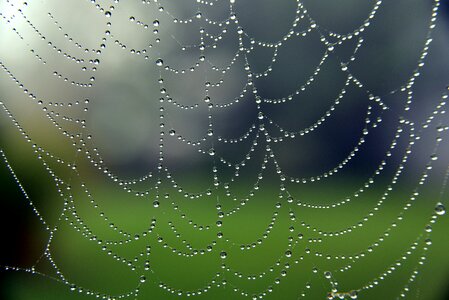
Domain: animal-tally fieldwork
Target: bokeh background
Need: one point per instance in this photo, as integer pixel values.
(123, 120)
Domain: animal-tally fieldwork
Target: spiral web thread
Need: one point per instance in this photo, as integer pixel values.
(69, 118)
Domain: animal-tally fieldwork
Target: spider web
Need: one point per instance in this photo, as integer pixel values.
(199, 121)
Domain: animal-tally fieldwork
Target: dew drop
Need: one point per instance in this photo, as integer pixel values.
(353, 294)
(223, 254)
(440, 209)
(159, 62)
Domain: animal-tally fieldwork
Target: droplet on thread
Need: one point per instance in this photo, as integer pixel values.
(353, 294)
(440, 209)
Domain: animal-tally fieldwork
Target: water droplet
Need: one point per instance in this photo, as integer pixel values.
(210, 132)
(223, 254)
(159, 62)
(353, 294)
(156, 203)
(172, 132)
(142, 279)
(156, 23)
(328, 275)
(440, 209)
(108, 14)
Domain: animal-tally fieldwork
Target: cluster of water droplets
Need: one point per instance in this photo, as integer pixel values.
(164, 191)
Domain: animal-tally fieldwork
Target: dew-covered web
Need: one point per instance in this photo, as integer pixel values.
(252, 149)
